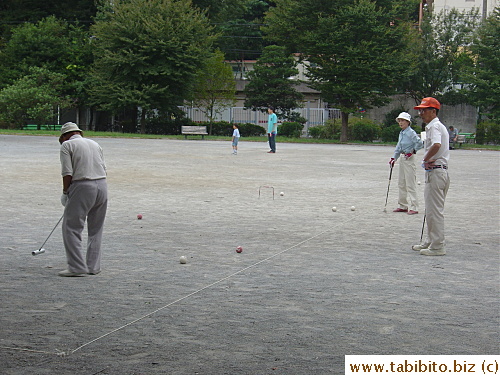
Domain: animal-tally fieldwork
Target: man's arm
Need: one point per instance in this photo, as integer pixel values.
(66, 182)
(428, 161)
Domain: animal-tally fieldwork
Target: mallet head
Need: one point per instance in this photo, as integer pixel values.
(39, 251)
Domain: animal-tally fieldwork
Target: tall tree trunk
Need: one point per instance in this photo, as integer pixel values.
(211, 118)
(143, 121)
(345, 126)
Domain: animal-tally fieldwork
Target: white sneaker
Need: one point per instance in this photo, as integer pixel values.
(433, 252)
(419, 247)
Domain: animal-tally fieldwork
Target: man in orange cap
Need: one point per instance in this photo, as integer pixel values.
(437, 181)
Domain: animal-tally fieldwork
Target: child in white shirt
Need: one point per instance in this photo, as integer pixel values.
(235, 139)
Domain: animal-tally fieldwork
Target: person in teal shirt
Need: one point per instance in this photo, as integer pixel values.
(272, 129)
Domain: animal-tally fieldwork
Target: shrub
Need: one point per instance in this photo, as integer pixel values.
(390, 133)
(316, 131)
(290, 129)
(488, 132)
(296, 117)
(364, 129)
(251, 130)
(166, 124)
(331, 130)
(219, 128)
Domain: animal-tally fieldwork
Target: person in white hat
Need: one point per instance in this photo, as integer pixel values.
(85, 198)
(408, 145)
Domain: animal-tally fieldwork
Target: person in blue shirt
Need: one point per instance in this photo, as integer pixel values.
(272, 129)
(408, 145)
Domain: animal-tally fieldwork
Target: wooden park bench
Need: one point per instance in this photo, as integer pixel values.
(469, 137)
(194, 130)
(460, 139)
(41, 127)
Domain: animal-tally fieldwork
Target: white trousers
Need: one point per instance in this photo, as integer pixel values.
(87, 201)
(407, 183)
(437, 183)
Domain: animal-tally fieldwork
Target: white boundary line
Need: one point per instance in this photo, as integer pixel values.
(61, 353)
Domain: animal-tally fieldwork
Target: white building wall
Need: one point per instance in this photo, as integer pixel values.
(461, 5)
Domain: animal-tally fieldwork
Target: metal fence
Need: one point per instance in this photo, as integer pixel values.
(240, 115)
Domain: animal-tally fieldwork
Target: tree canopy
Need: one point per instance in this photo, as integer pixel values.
(355, 51)
(270, 84)
(148, 54)
(215, 88)
(32, 97)
(221, 10)
(16, 12)
(483, 77)
(442, 52)
(241, 37)
(50, 43)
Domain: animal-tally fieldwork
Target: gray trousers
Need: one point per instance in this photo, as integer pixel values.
(437, 183)
(87, 201)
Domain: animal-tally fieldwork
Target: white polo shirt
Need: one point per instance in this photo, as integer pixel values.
(82, 158)
(436, 132)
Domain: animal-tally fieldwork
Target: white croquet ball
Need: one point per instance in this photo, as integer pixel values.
(334, 209)
(282, 193)
(418, 182)
(183, 259)
(353, 208)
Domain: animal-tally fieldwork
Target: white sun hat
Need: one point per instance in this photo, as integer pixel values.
(405, 116)
(70, 127)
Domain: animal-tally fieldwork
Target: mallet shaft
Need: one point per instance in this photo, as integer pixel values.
(41, 250)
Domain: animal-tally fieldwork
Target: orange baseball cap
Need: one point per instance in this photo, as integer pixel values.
(428, 103)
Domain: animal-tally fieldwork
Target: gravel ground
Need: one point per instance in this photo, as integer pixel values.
(310, 286)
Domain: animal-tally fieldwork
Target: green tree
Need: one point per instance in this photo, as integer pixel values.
(32, 98)
(148, 54)
(221, 10)
(50, 43)
(356, 51)
(483, 77)
(442, 52)
(270, 84)
(215, 88)
(16, 12)
(241, 37)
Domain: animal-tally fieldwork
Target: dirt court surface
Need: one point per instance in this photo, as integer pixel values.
(310, 286)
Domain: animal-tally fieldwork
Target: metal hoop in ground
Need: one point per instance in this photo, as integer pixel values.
(266, 187)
